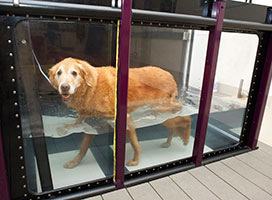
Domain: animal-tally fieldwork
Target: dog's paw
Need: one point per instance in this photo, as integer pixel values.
(165, 145)
(132, 163)
(71, 164)
(186, 141)
(61, 131)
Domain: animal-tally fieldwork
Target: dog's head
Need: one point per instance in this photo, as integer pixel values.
(70, 74)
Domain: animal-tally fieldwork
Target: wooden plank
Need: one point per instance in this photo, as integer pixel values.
(94, 198)
(117, 195)
(241, 184)
(262, 156)
(192, 187)
(143, 192)
(249, 173)
(264, 147)
(168, 189)
(256, 164)
(220, 188)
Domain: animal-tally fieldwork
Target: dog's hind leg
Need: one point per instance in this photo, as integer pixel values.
(131, 134)
(86, 142)
(169, 139)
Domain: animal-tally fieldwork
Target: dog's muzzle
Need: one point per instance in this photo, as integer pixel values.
(65, 91)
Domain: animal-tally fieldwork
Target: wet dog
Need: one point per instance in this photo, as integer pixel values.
(91, 92)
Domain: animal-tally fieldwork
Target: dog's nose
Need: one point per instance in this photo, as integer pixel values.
(65, 87)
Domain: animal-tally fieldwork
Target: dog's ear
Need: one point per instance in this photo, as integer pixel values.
(52, 74)
(90, 74)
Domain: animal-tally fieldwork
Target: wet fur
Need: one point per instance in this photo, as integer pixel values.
(94, 95)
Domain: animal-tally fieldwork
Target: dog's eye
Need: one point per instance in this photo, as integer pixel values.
(74, 73)
(59, 72)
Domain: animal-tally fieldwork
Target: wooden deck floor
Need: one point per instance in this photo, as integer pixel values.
(247, 176)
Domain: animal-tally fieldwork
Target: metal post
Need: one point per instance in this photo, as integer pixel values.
(122, 92)
(261, 99)
(263, 91)
(4, 188)
(208, 81)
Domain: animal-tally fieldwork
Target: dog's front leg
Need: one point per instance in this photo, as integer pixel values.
(131, 134)
(87, 139)
(78, 121)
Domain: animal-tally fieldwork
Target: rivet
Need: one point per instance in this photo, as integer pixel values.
(14, 92)
(167, 165)
(54, 17)
(24, 42)
(106, 181)
(27, 15)
(142, 22)
(16, 115)
(10, 54)
(49, 195)
(23, 177)
(159, 24)
(24, 186)
(69, 190)
(97, 183)
(139, 172)
(20, 147)
(9, 41)
(59, 192)
(13, 80)
(89, 185)
(150, 23)
(21, 157)
(78, 19)
(15, 104)
(66, 18)
(25, 195)
(38, 197)
(101, 20)
(146, 170)
(90, 20)
(132, 23)
(8, 27)
(79, 188)
(41, 17)
(18, 126)
(7, 14)
(12, 67)
(131, 174)
(19, 137)
(167, 25)
(174, 163)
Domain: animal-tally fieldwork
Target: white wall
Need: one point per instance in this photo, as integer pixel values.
(236, 59)
(260, 2)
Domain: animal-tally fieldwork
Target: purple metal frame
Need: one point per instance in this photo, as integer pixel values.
(218, 12)
(4, 187)
(261, 99)
(122, 91)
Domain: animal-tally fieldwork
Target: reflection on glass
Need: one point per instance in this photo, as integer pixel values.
(236, 59)
(162, 106)
(65, 116)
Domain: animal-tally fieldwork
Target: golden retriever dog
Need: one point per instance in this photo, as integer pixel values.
(91, 92)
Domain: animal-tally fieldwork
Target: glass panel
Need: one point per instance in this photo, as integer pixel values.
(162, 102)
(237, 54)
(58, 115)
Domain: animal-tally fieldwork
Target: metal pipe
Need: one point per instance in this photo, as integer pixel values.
(4, 187)
(208, 81)
(122, 92)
